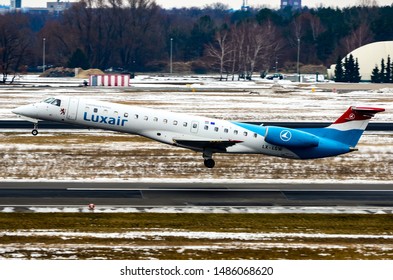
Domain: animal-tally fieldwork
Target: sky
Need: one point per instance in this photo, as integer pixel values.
(235, 4)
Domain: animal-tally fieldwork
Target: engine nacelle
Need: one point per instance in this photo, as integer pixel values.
(290, 138)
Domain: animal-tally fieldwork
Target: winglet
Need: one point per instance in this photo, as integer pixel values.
(358, 114)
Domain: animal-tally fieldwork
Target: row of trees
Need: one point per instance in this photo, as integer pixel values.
(243, 47)
(137, 35)
(383, 75)
(347, 72)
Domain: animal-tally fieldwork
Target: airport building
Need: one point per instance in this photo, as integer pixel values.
(245, 6)
(58, 6)
(295, 4)
(368, 56)
(51, 7)
(15, 4)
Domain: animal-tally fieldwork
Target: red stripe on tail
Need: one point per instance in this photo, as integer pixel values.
(358, 114)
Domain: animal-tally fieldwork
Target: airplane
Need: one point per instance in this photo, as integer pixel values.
(204, 134)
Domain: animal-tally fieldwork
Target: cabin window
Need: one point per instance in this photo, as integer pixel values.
(146, 118)
(155, 119)
(105, 112)
(255, 135)
(216, 129)
(174, 122)
(136, 116)
(206, 127)
(126, 115)
(226, 130)
(235, 132)
(87, 108)
(195, 125)
(95, 110)
(245, 133)
(116, 113)
(165, 121)
(185, 124)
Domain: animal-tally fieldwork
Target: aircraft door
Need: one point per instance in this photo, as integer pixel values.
(194, 126)
(72, 108)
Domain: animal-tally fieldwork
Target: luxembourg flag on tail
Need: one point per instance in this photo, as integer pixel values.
(350, 126)
(358, 114)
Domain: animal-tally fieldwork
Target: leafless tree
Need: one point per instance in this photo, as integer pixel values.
(221, 50)
(315, 25)
(263, 45)
(361, 36)
(252, 46)
(109, 32)
(308, 26)
(367, 3)
(238, 36)
(143, 33)
(15, 40)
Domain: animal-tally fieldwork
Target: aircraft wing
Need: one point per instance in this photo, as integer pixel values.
(219, 145)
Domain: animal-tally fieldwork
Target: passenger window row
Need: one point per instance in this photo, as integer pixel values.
(226, 130)
(105, 111)
(185, 124)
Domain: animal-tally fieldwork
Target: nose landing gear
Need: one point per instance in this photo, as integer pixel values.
(35, 129)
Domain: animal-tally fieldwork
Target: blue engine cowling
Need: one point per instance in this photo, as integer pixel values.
(290, 138)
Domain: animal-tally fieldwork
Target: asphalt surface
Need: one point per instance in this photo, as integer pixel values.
(33, 193)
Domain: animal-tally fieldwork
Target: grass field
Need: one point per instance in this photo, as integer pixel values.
(195, 236)
(59, 155)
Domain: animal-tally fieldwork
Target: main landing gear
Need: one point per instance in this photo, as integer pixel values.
(209, 163)
(208, 159)
(35, 129)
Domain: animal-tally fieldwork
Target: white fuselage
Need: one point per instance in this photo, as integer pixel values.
(206, 135)
(159, 125)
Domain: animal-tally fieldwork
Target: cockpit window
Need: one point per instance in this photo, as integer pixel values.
(49, 100)
(56, 102)
(53, 101)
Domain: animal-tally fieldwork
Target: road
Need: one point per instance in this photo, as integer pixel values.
(34, 193)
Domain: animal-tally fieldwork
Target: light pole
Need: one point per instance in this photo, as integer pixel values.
(171, 56)
(276, 64)
(298, 57)
(43, 54)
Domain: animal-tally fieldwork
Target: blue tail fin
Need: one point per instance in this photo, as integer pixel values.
(348, 128)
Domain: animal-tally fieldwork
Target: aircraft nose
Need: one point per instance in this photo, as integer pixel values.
(26, 110)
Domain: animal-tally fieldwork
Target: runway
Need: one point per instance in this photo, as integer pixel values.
(125, 194)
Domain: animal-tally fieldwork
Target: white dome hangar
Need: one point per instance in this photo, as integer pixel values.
(368, 56)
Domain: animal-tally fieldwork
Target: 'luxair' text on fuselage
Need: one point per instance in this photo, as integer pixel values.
(104, 119)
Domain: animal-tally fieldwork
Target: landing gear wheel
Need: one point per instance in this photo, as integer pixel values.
(209, 163)
(35, 131)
